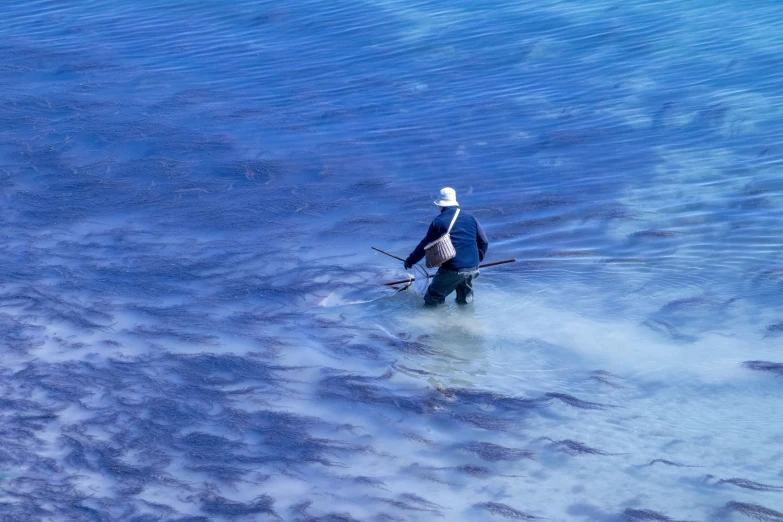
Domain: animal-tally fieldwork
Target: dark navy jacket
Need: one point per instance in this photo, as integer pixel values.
(467, 236)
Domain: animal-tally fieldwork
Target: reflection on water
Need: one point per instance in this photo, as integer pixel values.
(191, 318)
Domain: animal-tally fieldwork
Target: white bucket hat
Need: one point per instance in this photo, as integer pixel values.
(447, 198)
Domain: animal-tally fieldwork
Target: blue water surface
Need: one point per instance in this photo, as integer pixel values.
(193, 326)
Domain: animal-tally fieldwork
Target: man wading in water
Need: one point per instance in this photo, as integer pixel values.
(470, 244)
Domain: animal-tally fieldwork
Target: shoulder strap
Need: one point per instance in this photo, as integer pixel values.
(452, 221)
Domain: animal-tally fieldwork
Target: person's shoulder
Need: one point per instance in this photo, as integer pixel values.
(463, 212)
(438, 220)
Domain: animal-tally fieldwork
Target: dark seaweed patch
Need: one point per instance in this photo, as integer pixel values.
(484, 409)
(430, 474)
(418, 438)
(225, 474)
(367, 390)
(503, 403)
(220, 506)
(368, 481)
(301, 511)
(655, 234)
(287, 434)
(774, 330)
(474, 471)
(749, 484)
(755, 511)
(475, 408)
(420, 501)
(345, 348)
(505, 511)
(606, 378)
(411, 505)
(301, 508)
(405, 345)
(385, 517)
(644, 515)
(169, 417)
(669, 463)
(485, 421)
(669, 330)
(405, 369)
(17, 335)
(687, 302)
(764, 366)
(573, 447)
(224, 369)
(332, 517)
(576, 403)
(494, 452)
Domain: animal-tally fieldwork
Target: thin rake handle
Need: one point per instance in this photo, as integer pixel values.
(485, 265)
(388, 254)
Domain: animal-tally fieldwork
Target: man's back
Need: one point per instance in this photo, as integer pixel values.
(464, 237)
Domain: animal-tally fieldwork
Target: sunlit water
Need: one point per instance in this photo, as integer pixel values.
(192, 320)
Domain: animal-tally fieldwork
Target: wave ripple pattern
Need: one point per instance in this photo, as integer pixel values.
(192, 325)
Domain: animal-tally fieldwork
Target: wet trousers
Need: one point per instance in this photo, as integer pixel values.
(446, 282)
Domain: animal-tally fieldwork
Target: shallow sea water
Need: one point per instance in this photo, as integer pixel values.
(191, 317)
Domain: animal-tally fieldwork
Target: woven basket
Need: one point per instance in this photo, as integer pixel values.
(441, 250)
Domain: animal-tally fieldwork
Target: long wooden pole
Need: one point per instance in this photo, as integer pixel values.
(388, 254)
(485, 265)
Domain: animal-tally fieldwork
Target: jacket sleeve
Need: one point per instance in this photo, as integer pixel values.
(481, 241)
(418, 252)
